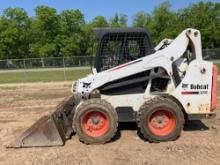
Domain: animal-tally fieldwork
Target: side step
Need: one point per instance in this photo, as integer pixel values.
(51, 130)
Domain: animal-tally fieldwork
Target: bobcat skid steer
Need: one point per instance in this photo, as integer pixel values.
(158, 88)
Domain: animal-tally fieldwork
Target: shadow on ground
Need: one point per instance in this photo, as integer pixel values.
(195, 125)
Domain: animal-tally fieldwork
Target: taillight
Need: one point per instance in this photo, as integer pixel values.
(214, 87)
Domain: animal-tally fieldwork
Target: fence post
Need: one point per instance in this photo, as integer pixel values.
(64, 68)
(42, 62)
(25, 74)
(79, 62)
(206, 53)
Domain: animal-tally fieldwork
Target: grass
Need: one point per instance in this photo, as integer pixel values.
(8, 87)
(45, 76)
(38, 96)
(218, 65)
(42, 76)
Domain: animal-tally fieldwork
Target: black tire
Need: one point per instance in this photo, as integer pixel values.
(170, 124)
(106, 114)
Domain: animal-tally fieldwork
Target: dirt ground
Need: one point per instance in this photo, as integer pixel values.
(21, 105)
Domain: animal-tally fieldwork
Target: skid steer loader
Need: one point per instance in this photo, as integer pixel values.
(158, 88)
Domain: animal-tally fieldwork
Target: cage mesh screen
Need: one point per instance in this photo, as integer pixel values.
(119, 48)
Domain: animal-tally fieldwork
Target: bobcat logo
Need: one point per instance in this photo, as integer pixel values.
(185, 86)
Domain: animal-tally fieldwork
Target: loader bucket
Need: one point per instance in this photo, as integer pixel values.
(51, 130)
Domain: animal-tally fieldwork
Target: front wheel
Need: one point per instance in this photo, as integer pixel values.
(95, 121)
(160, 119)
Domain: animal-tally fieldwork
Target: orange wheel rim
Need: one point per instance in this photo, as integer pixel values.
(162, 123)
(95, 123)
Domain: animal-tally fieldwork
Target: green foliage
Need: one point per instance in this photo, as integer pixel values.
(99, 21)
(119, 20)
(206, 18)
(165, 23)
(70, 38)
(14, 31)
(49, 33)
(45, 27)
(141, 19)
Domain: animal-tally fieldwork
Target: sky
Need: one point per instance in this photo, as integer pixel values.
(92, 8)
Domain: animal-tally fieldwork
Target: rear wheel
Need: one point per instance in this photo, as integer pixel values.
(160, 119)
(95, 121)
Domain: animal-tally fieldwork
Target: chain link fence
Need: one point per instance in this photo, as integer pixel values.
(50, 62)
(60, 68)
(211, 54)
(45, 69)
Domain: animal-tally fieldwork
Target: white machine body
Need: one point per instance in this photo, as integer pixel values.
(193, 91)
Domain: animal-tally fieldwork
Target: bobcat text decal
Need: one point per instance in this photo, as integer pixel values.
(195, 89)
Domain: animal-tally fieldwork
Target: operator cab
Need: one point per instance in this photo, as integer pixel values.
(121, 45)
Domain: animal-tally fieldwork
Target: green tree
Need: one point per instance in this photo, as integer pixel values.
(140, 19)
(99, 21)
(67, 34)
(44, 28)
(164, 23)
(119, 20)
(144, 20)
(71, 39)
(206, 18)
(14, 33)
